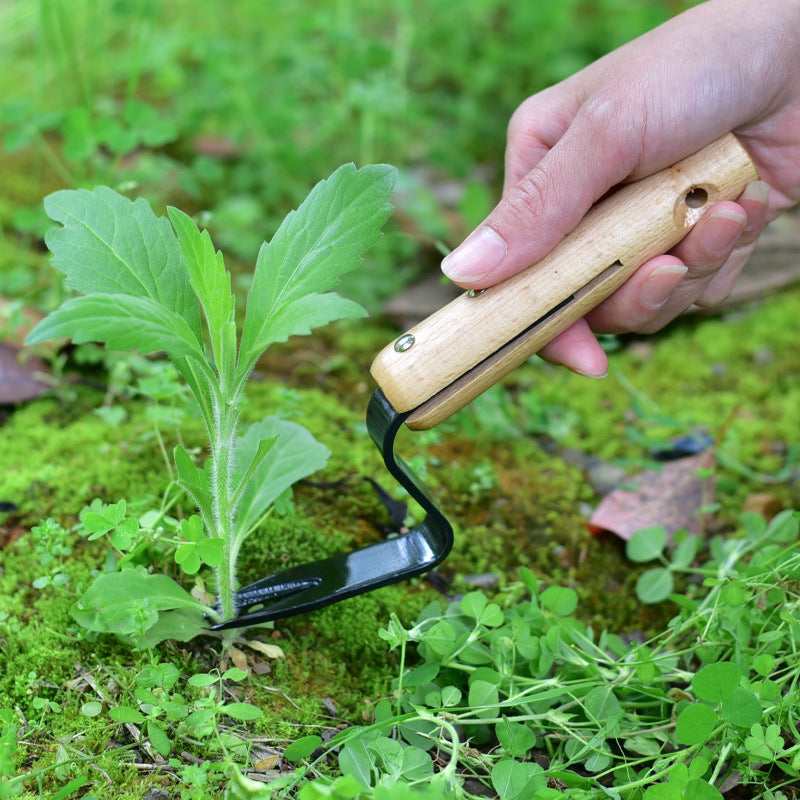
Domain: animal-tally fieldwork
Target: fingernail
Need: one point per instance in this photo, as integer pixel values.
(480, 253)
(661, 284)
(757, 191)
(721, 230)
(602, 374)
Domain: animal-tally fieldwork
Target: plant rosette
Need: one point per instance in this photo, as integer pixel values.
(156, 284)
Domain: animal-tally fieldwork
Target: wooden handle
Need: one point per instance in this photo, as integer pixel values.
(471, 343)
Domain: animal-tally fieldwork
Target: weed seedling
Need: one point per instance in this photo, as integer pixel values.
(157, 284)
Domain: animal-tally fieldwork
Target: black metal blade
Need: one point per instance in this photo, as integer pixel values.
(310, 586)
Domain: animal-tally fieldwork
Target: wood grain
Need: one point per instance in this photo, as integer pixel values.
(468, 345)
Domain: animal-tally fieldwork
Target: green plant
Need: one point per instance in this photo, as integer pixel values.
(523, 697)
(157, 284)
(52, 545)
(156, 710)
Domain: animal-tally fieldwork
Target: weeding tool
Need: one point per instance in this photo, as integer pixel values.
(450, 358)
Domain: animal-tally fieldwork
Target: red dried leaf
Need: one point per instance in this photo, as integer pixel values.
(668, 497)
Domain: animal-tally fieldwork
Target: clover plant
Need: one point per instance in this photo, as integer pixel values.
(157, 284)
(514, 697)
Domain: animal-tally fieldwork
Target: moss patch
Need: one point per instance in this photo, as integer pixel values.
(497, 475)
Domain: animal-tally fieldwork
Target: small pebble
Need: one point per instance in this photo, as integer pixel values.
(763, 356)
(605, 477)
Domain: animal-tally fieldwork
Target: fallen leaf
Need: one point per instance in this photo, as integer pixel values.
(763, 503)
(268, 650)
(239, 659)
(21, 380)
(10, 533)
(270, 762)
(668, 497)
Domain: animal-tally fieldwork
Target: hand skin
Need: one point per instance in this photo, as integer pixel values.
(723, 65)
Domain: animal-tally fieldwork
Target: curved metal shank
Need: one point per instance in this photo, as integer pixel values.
(310, 586)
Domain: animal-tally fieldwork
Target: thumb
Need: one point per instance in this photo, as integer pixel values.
(543, 206)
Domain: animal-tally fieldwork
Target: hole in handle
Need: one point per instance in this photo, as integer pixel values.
(696, 197)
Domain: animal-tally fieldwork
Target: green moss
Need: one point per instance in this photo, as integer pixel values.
(511, 499)
(60, 456)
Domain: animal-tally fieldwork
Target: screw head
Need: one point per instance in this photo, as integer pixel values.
(405, 342)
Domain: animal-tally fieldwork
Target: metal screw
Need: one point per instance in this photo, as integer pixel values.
(475, 292)
(404, 343)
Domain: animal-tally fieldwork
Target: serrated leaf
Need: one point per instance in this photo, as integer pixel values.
(299, 317)
(109, 244)
(295, 454)
(193, 481)
(122, 323)
(314, 246)
(208, 277)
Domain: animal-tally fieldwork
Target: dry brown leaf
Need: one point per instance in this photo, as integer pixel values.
(268, 650)
(763, 503)
(270, 762)
(21, 379)
(668, 497)
(239, 659)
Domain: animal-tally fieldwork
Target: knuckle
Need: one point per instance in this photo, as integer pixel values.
(601, 111)
(519, 124)
(527, 199)
(619, 134)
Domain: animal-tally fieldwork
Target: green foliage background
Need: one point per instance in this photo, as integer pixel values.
(233, 111)
(237, 109)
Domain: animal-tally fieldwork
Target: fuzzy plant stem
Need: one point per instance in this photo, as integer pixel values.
(222, 441)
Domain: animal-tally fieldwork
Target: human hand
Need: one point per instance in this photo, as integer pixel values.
(724, 65)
